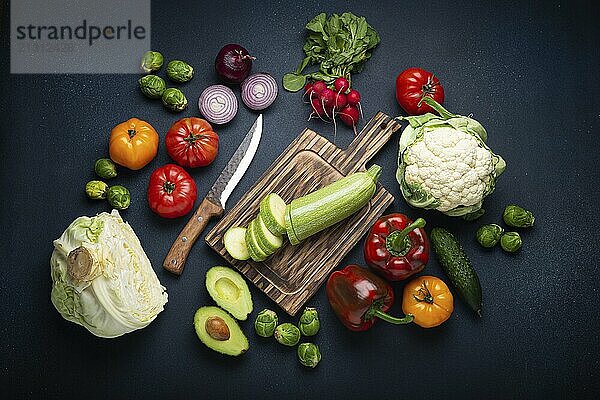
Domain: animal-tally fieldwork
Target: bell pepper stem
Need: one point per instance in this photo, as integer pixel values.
(398, 242)
(407, 319)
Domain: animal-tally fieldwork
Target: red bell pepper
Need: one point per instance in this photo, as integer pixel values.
(359, 297)
(396, 247)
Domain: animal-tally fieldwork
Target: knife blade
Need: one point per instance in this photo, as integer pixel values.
(213, 204)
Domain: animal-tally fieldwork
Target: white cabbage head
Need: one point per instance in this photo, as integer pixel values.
(102, 278)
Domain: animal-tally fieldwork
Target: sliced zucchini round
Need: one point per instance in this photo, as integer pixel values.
(272, 210)
(255, 251)
(235, 243)
(260, 242)
(270, 242)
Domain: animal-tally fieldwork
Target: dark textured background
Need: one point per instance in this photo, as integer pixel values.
(527, 72)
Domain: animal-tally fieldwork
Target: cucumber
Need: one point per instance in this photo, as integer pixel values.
(289, 228)
(268, 240)
(235, 243)
(329, 205)
(256, 253)
(456, 265)
(272, 210)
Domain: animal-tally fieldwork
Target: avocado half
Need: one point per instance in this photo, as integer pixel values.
(230, 291)
(236, 344)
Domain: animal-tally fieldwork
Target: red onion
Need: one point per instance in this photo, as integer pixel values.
(259, 91)
(218, 104)
(233, 63)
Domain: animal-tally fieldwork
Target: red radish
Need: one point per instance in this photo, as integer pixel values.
(327, 97)
(353, 97)
(340, 101)
(349, 115)
(307, 91)
(341, 85)
(317, 107)
(330, 111)
(318, 86)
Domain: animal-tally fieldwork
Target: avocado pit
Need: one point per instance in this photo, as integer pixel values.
(217, 328)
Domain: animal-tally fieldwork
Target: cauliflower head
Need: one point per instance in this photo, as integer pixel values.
(444, 164)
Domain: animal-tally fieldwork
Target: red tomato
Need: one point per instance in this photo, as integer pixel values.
(412, 85)
(171, 191)
(191, 142)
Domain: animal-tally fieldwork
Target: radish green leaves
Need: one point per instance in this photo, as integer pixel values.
(340, 44)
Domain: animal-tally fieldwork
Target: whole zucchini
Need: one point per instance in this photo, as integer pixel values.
(329, 205)
(456, 265)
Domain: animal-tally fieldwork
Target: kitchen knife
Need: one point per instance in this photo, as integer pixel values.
(213, 204)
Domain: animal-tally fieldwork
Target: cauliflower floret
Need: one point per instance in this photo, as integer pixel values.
(451, 166)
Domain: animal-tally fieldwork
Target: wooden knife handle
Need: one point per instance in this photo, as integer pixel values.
(175, 260)
(369, 141)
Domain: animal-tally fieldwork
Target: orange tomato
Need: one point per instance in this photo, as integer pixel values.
(429, 300)
(133, 143)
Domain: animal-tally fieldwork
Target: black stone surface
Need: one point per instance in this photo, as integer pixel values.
(528, 71)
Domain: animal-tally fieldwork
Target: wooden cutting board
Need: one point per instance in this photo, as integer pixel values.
(293, 274)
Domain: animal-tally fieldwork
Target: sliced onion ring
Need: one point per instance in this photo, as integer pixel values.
(218, 104)
(259, 91)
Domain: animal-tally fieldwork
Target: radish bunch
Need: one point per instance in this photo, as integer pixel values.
(338, 100)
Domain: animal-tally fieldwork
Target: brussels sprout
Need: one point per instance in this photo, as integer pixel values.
(517, 217)
(96, 190)
(105, 168)
(266, 322)
(174, 99)
(309, 354)
(309, 322)
(511, 242)
(287, 334)
(152, 86)
(489, 235)
(119, 197)
(179, 71)
(152, 61)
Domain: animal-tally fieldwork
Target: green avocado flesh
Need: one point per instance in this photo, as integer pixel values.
(234, 346)
(230, 291)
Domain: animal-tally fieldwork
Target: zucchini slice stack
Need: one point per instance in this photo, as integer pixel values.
(263, 236)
